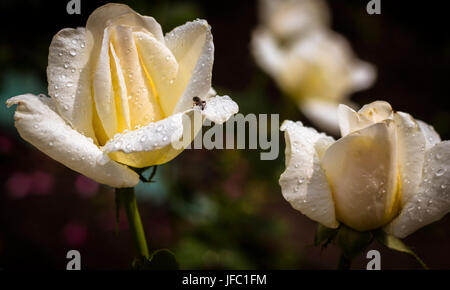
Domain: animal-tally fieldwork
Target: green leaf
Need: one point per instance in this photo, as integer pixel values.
(352, 242)
(324, 235)
(396, 244)
(162, 259)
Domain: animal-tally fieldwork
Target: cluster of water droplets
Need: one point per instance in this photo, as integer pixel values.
(151, 137)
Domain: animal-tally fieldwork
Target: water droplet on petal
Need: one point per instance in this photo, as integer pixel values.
(440, 172)
(73, 53)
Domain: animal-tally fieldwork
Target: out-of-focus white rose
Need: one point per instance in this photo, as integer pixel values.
(120, 94)
(291, 18)
(388, 170)
(309, 62)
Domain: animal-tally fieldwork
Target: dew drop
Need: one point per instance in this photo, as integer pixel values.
(164, 139)
(73, 53)
(440, 172)
(66, 107)
(82, 45)
(50, 144)
(128, 146)
(66, 65)
(73, 70)
(69, 84)
(35, 126)
(159, 128)
(444, 186)
(117, 145)
(143, 138)
(60, 54)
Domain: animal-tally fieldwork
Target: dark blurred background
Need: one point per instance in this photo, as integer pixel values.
(214, 209)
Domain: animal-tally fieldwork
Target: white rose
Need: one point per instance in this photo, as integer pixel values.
(119, 91)
(315, 66)
(388, 170)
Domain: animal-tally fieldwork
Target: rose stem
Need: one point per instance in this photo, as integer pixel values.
(128, 200)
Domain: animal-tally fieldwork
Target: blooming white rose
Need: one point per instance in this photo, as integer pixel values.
(309, 62)
(388, 170)
(120, 93)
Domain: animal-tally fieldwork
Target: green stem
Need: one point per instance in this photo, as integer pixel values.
(128, 200)
(344, 263)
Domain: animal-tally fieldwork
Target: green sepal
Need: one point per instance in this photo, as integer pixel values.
(162, 259)
(324, 235)
(352, 242)
(140, 172)
(396, 244)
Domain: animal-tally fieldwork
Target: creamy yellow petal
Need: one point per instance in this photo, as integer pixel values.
(143, 97)
(39, 124)
(68, 75)
(103, 90)
(303, 183)
(362, 171)
(351, 121)
(161, 66)
(411, 154)
(432, 200)
(160, 142)
(192, 45)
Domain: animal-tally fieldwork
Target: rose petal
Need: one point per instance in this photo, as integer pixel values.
(39, 124)
(432, 201)
(192, 45)
(162, 68)
(351, 121)
(362, 171)
(267, 53)
(322, 112)
(219, 109)
(161, 141)
(431, 136)
(68, 77)
(411, 154)
(303, 183)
